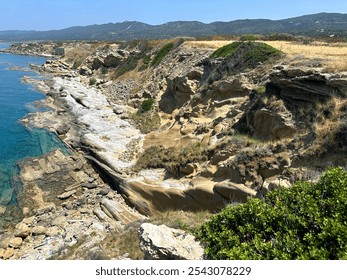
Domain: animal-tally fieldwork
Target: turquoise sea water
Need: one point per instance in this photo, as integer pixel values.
(16, 141)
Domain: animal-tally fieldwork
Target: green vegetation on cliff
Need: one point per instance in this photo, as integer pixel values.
(226, 50)
(252, 51)
(161, 54)
(307, 221)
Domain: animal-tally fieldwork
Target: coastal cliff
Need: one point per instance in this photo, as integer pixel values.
(171, 126)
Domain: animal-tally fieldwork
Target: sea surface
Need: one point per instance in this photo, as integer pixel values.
(16, 141)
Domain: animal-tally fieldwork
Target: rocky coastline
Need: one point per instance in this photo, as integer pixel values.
(246, 132)
(63, 199)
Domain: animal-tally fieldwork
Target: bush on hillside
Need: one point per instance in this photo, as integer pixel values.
(307, 221)
(147, 104)
(161, 54)
(253, 52)
(227, 50)
(260, 52)
(128, 65)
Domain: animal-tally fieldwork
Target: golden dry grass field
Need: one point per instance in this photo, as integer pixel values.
(332, 55)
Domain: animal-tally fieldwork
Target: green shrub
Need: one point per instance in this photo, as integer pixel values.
(307, 221)
(260, 52)
(128, 65)
(161, 54)
(147, 105)
(92, 81)
(261, 89)
(227, 50)
(145, 62)
(250, 52)
(77, 63)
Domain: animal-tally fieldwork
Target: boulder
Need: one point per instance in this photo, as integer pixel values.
(270, 125)
(53, 231)
(22, 230)
(15, 242)
(38, 230)
(114, 59)
(235, 86)
(85, 71)
(66, 195)
(29, 220)
(97, 63)
(8, 253)
(233, 192)
(274, 183)
(164, 243)
(46, 209)
(180, 89)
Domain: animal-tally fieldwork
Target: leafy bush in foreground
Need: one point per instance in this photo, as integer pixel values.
(307, 221)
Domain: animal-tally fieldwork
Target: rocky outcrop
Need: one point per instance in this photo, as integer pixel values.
(269, 125)
(180, 89)
(47, 49)
(191, 195)
(302, 86)
(164, 243)
(248, 123)
(59, 200)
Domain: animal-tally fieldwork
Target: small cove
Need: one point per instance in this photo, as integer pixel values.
(17, 142)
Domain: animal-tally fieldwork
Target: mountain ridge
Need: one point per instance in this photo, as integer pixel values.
(314, 24)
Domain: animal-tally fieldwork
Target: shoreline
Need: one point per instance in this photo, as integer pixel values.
(79, 185)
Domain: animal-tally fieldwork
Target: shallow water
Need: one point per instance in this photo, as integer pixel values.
(16, 141)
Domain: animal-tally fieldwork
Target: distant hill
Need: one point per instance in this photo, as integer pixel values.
(317, 24)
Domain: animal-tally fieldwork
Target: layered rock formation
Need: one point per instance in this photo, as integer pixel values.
(250, 139)
(227, 131)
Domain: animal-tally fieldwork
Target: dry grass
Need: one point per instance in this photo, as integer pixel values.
(333, 55)
(189, 221)
(207, 44)
(117, 246)
(171, 158)
(125, 244)
(147, 121)
(77, 53)
(327, 128)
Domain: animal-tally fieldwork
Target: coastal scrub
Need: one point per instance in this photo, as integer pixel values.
(307, 221)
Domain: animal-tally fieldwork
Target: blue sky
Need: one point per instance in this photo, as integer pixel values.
(58, 14)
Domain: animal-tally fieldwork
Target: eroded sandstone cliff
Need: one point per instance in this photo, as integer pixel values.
(219, 129)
